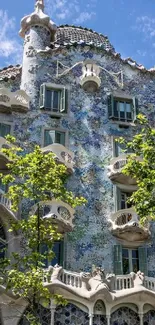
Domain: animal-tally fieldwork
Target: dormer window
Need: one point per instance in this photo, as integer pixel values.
(122, 109)
(54, 99)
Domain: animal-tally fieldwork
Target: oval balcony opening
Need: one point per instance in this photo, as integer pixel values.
(126, 226)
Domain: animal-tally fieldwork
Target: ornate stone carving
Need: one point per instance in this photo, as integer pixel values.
(38, 17)
(13, 101)
(90, 79)
(126, 226)
(63, 155)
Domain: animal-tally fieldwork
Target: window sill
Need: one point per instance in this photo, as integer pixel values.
(121, 123)
(55, 114)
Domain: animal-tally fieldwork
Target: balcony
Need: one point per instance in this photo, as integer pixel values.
(126, 226)
(5, 209)
(59, 212)
(17, 101)
(115, 171)
(90, 80)
(91, 286)
(63, 155)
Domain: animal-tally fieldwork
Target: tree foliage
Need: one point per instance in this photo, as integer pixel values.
(33, 177)
(141, 166)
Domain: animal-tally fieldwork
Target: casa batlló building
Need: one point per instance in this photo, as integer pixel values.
(74, 95)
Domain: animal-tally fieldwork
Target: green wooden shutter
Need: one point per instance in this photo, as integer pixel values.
(60, 137)
(118, 203)
(142, 253)
(61, 252)
(118, 265)
(135, 108)
(42, 96)
(64, 101)
(110, 106)
(49, 137)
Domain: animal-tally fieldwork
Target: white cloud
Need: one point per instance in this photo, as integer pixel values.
(10, 47)
(146, 25)
(84, 16)
(69, 11)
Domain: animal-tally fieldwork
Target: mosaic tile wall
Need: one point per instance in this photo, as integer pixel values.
(124, 316)
(90, 138)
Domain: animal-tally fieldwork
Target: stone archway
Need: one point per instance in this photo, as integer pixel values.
(124, 316)
(70, 315)
(149, 318)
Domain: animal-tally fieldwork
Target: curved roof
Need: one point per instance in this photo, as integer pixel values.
(68, 35)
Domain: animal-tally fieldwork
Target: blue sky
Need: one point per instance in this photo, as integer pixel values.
(129, 24)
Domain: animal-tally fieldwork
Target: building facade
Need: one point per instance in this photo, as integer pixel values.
(74, 96)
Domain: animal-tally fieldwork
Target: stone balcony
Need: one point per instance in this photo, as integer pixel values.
(85, 289)
(17, 101)
(115, 171)
(90, 80)
(63, 155)
(5, 209)
(125, 225)
(59, 212)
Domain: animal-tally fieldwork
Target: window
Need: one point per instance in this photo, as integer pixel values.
(119, 149)
(122, 198)
(121, 109)
(54, 99)
(58, 249)
(4, 129)
(3, 187)
(54, 136)
(2, 242)
(128, 260)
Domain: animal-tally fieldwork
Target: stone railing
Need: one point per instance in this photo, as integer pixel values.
(124, 282)
(149, 283)
(5, 201)
(63, 155)
(97, 282)
(71, 278)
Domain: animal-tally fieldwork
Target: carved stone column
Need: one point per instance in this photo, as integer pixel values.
(91, 319)
(52, 309)
(141, 318)
(108, 319)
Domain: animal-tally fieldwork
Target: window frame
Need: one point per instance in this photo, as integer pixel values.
(8, 124)
(126, 99)
(130, 258)
(65, 99)
(119, 192)
(53, 129)
(115, 148)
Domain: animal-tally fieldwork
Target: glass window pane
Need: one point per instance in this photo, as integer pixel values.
(48, 99)
(135, 253)
(49, 137)
(60, 137)
(135, 265)
(126, 266)
(122, 110)
(125, 252)
(56, 100)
